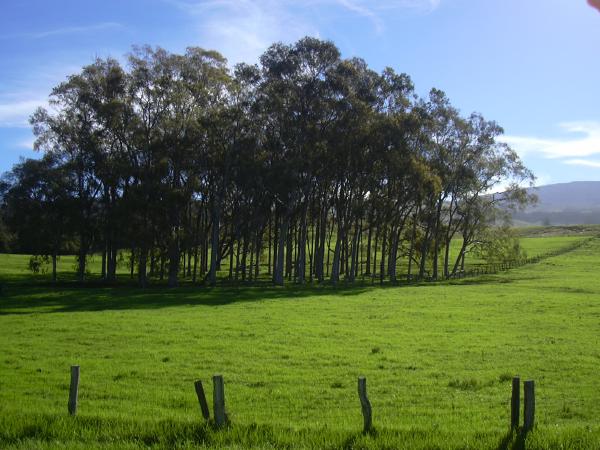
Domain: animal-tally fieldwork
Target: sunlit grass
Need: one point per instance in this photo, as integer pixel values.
(438, 359)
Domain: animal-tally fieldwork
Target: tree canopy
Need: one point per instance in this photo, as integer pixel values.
(306, 166)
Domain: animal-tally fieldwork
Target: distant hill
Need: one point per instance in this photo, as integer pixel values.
(563, 204)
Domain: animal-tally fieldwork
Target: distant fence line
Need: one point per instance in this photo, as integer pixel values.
(486, 269)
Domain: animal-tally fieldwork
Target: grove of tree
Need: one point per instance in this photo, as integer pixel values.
(306, 167)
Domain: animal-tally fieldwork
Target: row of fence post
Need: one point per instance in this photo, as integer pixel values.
(220, 414)
(529, 404)
(506, 265)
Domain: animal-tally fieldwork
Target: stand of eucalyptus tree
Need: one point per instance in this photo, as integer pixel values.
(305, 167)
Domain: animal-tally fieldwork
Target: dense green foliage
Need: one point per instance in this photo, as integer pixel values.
(438, 359)
(315, 165)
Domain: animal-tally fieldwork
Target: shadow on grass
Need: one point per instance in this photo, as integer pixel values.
(513, 440)
(26, 294)
(73, 297)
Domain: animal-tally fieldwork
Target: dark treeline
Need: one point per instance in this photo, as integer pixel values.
(306, 167)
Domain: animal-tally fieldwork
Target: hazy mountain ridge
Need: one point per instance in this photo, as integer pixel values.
(572, 203)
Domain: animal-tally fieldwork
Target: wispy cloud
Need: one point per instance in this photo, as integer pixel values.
(243, 29)
(584, 163)
(583, 142)
(26, 144)
(376, 11)
(65, 31)
(16, 113)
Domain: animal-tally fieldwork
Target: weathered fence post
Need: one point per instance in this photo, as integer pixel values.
(365, 404)
(529, 412)
(515, 403)
(219, 400)
(74, 390)
(202, 399)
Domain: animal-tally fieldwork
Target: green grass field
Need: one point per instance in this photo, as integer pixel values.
(438, 358)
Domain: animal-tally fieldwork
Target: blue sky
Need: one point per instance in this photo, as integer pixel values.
(531, 65)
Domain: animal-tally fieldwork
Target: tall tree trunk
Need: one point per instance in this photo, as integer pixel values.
(152, 263)
(375, 254)
(383, 247)
(359, 253)
(289, 252)
(214, 244)
(162, 266)
(81, 260)
(425, 247)
(436, 237)
(320, 252)
(335, 266)
(231, 253)
(369, 236)
(142, 278)
(259, 245)
(353, 254)
(103, 263)
(411, 251)
(269, 242)
(244, 259)
(195, 270)
(393, 258)
(112, 261)
(132, 263)
(280, 249)
(251, 264)
(174, 257)
(301, 264)
(275, 242)
(54, 256)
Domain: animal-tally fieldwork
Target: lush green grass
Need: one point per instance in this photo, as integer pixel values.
(438, 359)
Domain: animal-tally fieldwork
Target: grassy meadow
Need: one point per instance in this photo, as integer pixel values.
(438, 357)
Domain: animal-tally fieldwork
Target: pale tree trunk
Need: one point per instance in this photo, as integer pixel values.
(335, 266)
(54, 266)
(301, 264)
(174, 254)
(411, 250)
(394, 254)
(354, 254)
(214, 245)
(320, 250)
(383, 254)
(368, 261)
(279, 262)
(436, 234)
(142, 277)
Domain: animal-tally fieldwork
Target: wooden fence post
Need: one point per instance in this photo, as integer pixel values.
(202, 399)
(74, 390)
(529, 412)
(365, 404)
(515, 403)
(219, 400)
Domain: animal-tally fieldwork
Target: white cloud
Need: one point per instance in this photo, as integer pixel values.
(26, 144)
(583, 162)
(243, 29)
(542, 179)
(65, 30)
(585, 142)
(16, 113)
